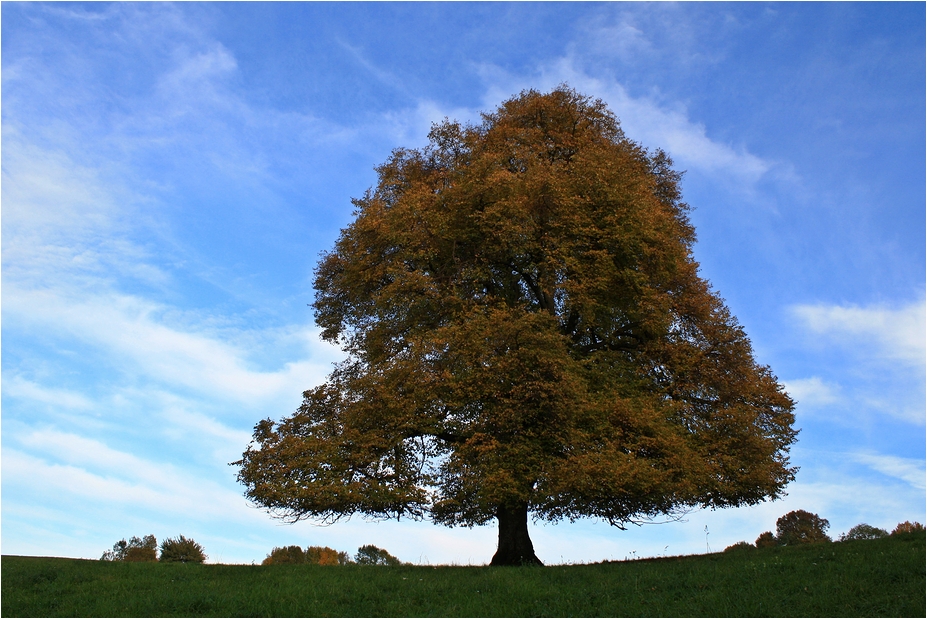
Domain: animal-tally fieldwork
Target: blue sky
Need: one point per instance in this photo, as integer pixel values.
(172, 171)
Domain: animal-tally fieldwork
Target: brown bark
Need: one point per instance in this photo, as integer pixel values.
(515, 547)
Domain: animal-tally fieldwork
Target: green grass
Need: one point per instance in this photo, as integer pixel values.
(878, 578)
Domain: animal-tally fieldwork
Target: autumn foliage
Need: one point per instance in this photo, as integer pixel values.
(319, 555)
(143, 549)
(528, 335)
(907, 527)
(135, 550)
(314, 555)
(801, 527)
(766, 540)
(288, 555)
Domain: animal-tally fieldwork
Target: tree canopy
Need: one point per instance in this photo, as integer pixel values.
(527, 334)
(135, 550)
(371, 555)
(801, 527)
(863, 531)
(182, 550)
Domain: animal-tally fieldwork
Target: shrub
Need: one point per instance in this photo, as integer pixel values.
(323, 555)
(288, 554)
(183, 550)
(801, 527)
(740, 547)
(863, 531)
(371, 555)
(315, 555)
(766, 540)
(135, 550)
(908, 527)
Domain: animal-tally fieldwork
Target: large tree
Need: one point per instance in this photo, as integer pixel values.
(527, 334)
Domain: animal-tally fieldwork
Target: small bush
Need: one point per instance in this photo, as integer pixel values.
(908, 527)
(288, 554)
(182, 550)
(371, 555)
(863, 531)
(135, 550)
(315, 555)
(766, 540)
(740, 547)
(323, 555)
(801, 527)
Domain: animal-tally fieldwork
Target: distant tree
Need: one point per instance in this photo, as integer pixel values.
(908, 527)
(740, 547)
(118, 553)
(135, 550)
(288, 554)
(182, 550)
(323, 555)
(527, 334)
(766, 540)
(371, 555)
(863, 531)
(801, 527)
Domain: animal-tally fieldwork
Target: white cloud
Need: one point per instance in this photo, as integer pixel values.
(646, 121)
(85, 469)
(624, 40)
(76, 14)
(908, 407)
(215, 61)
(129, 328)
(812, 392)
(18, 387)
(48, 194)
(410, 127)
(185, 422)
(686, 141)
(67, 224)
(898, 334)
(909, 470)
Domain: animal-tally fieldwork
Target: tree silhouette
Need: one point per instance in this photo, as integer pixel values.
(371, 555)
(285, 556)
(527, 335)
(135, 550)
(766, 540)
(801, 527)
(863, 531)
(907, 527)
(182, 550)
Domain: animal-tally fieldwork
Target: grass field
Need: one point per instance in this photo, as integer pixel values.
(878, 578)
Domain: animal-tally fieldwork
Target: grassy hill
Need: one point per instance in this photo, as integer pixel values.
(878, 578)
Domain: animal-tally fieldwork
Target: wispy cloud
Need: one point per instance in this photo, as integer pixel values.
(60, 462)
(18, 387)
(64, 222)
(75, 13)
(898, 334)
(86, 259)
(645, 120)
(812, 392)
(129, 328)
(909, 470)
(384, 77)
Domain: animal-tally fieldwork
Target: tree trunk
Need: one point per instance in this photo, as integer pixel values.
(515, 547)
